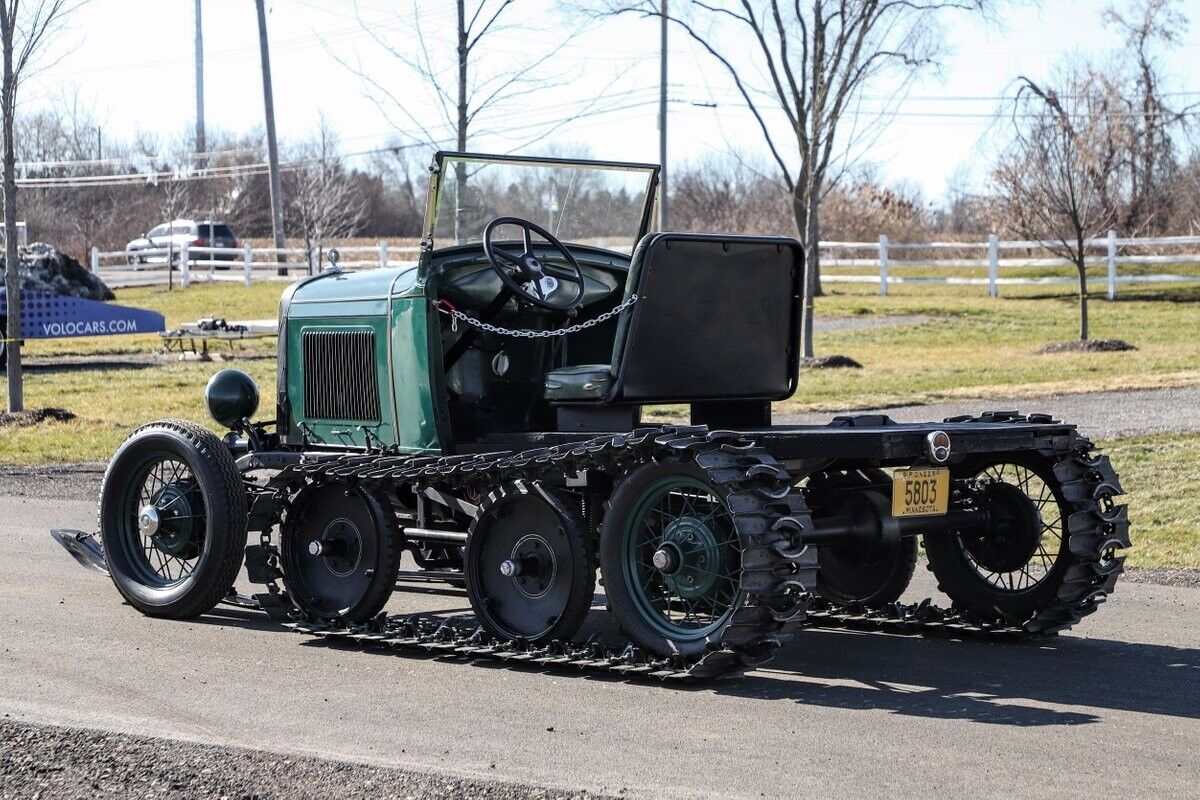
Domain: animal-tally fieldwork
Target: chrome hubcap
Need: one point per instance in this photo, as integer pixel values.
(148, 520)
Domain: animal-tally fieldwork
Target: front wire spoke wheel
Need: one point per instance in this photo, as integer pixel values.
(173, 519)
(163, 521)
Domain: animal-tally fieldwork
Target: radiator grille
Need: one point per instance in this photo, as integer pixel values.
(340, 379)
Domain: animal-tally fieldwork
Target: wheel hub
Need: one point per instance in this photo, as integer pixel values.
(168, 521)
(340, 545)
(531, 566)
(1012, 534)
(688, 557)
(148, 520)
(667, 559)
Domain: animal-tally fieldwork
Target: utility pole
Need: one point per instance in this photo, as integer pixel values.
(200, 145)
(272, 145)
(662, 123)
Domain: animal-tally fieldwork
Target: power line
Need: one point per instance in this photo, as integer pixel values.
(168, 176)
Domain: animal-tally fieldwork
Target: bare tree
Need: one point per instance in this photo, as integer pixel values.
(324, 201)
(1152, 123)
(463, 93)
(726, 193)
(1057, 180)
(814, 57)
(397, 190)
(174, 200)
(476, 93)
(24, 27)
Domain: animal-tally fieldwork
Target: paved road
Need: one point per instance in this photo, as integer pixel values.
(1101, 415)
(1112, 709)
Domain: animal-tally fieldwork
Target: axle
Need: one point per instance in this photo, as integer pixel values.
(865, 519)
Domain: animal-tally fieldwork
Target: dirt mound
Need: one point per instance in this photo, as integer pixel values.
(46, 269)
(830, 362)
(23, 419)
(1090, 346)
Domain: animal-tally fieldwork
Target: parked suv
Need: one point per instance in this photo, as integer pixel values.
(193, 233)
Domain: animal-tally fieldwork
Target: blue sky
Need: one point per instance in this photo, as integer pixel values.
(131, 60)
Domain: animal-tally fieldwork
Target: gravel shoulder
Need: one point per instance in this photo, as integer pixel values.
(52, 761)
(52, 481)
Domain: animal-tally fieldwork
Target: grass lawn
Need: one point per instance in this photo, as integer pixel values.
(974, 346)
(1162, 480)
(970, 346)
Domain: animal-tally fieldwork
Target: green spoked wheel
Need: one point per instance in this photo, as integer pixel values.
(173, 519)
(671, 559)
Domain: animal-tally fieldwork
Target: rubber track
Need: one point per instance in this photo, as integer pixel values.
(778, 570)
(771, 521)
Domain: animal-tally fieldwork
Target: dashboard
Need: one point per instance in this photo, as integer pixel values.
(465, 278)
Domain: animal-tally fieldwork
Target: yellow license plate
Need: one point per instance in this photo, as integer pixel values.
(920, 492)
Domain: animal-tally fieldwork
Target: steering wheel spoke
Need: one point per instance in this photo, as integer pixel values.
(561, 274)
(510, 257)
(526, 283)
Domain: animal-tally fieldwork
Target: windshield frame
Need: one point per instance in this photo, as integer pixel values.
(428, 244)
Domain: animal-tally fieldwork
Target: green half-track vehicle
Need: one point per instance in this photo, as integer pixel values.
(482, 413)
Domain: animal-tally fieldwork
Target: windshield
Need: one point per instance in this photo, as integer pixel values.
(603, 205)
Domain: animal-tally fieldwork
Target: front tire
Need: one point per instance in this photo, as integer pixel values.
(173, 519)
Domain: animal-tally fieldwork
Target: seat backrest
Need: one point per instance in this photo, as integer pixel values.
(717, 318)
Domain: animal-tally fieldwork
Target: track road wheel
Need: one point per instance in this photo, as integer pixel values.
(340, 552)
(873, 576)
(173, 519)
(1013, 566)
(671, 559)
(530, 570)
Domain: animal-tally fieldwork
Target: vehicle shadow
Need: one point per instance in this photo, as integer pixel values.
(1068, 680)
(988, 682)
(249, 618)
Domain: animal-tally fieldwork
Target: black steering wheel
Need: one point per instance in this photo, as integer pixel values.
(526, 276)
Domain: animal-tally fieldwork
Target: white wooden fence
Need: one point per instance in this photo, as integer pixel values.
(1110, 255)
(249, 264)
(244, 264)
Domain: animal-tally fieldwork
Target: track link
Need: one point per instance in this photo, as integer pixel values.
(779, 570)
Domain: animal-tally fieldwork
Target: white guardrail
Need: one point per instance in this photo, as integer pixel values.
(244, 264)
(1111, 258)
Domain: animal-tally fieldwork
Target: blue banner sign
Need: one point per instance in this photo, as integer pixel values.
(45, 316)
